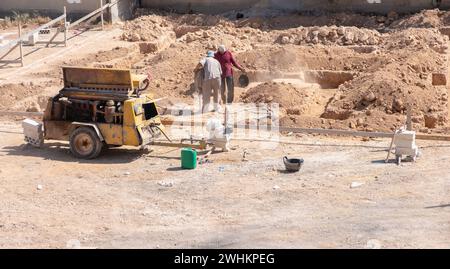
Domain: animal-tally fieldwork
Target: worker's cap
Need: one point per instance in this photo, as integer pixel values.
(222, 48)
(210, 53)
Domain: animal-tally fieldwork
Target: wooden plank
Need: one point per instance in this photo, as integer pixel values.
(101, 15)
(433, 137)
(20, 43)
(65, 26)
(20, 113)
(9, 51)
(335, 132)
(48, 24)
(390, 147)
(53, 37)
(27, 35)
(175, 122)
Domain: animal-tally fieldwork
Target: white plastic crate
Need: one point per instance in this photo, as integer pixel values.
(405, 139)
(33, 132)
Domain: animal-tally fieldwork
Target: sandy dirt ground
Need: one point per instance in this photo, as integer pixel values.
(133, 199)
(344, 71)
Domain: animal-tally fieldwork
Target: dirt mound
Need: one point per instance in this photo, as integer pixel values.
(417, 39)
(288, 96)
(10, 94)
(425, 19)
(382, 93)
(147, 28)
(329, 35)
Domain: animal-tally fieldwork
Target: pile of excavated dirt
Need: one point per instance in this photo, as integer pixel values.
(405, 80)
(10, 94)
(391, 59)
(388, 95)
(329, 36)
(425, 19)
(420, 40)
(146, 28)
(383, 63)
(288, 96)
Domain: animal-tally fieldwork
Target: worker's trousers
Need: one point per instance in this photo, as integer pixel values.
(210, 86)
(229, 96)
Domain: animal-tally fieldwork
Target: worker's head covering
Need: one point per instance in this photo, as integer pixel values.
(210, 53)
(222, 48)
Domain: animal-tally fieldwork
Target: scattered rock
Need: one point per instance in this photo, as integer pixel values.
(135, 37)
(431, 120)
(356, 184)
(165, 184)
(34, 107)
(373, 244)
(370, 97)
(284, 40)
(360, 122)
(398, 105)
(439, 79)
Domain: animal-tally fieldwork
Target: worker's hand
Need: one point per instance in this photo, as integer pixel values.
(243, 70)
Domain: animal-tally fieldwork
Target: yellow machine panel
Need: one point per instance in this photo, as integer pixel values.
(112, 133)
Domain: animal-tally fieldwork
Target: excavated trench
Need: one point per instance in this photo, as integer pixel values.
(313, 87)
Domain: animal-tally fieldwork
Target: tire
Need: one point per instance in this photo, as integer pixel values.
(85, 143)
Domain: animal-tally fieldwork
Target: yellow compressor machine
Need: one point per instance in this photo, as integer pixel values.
(100, 107)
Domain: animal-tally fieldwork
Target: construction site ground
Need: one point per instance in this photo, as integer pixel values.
(341, 71)
(133, 199)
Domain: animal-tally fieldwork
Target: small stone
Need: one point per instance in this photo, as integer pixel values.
(39, 187)
(284, 40)
(398, 105)
(34, 107)
(356, 184)
(370, 97)
(360, 122)
(165, 184)
(373, 244)
(135, 37)
(276, 187)
(431, 120)
(127, 173)
(439, 79)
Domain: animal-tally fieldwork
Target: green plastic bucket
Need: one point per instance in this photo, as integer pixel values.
(188, 158)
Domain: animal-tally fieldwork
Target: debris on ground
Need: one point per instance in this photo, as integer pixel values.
(356, 184)
(165, 183)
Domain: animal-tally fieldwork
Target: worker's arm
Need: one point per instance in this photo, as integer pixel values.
(198, 67)
(236, 64)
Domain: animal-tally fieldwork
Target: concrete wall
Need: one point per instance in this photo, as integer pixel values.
(75, 8)
(49, 6)
(124, 8)
(369, 6)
